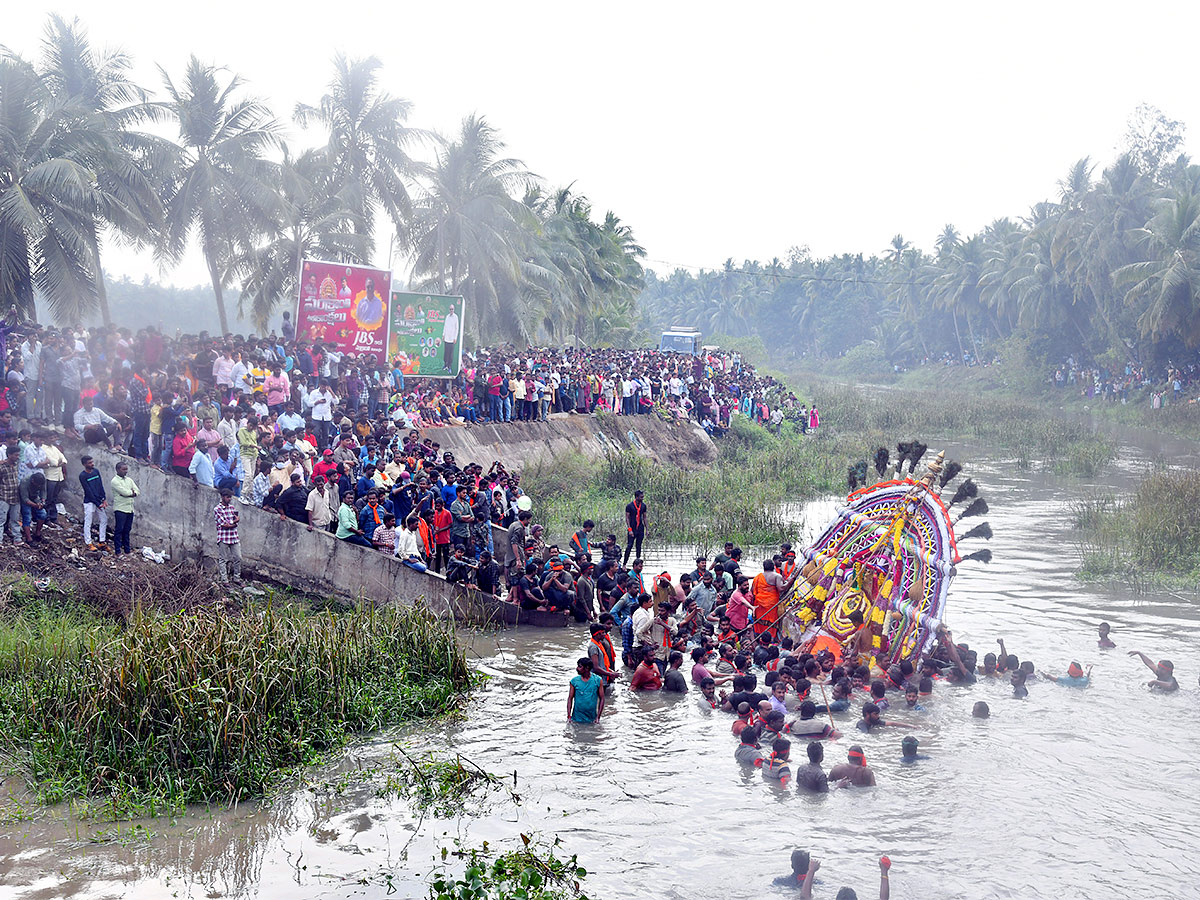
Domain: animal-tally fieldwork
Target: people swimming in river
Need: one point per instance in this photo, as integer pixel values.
(1164, 673)
(911, 697)
(871, 719)
(846, 893)
(776, 766)
(980, 710)
(855, 770)
(1075, 676)
(1105, 642)
(1020, 692)
(708, 694)
(800, 860)
(908, 750)
(748, 752)
(585, 700)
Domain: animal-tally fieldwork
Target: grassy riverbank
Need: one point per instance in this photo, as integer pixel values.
(1021, 375)
(141, 717)
(1153, 534)
(739, 498)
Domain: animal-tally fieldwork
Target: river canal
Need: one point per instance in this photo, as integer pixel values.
(1072, 793)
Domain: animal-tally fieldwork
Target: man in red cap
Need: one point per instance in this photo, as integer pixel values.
(325, 466)
(1075, 676)
(1164, 673)
(855, 770)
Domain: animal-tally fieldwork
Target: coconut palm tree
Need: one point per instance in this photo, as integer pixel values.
(222, 186)
(468, 234)
(368, 144)
(957, 287)
(1168, 284)
(316, 221)
(896, 248)
(128, 197)
(48, 196)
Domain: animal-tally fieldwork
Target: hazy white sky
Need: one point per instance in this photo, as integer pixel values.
(717, 130)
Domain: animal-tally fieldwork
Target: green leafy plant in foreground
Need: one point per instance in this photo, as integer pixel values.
(533, 872)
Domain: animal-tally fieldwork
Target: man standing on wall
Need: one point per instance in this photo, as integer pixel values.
(635, 524)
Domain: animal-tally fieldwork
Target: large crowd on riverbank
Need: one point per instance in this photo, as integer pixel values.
(143, 385)
(1169, 385)
(300, 427)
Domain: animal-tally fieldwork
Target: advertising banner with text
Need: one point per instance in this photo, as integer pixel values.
(344, 305)
(426, 334)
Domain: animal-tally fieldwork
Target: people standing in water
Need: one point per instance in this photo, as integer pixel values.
(846, 893)
(585, 700)
(908, 750)
(1105, 643)
(1164, 673)
(1020, 692)
(1075, 676)
(635, 524)
(855, 770)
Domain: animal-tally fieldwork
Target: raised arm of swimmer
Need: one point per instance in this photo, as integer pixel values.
(809, 877)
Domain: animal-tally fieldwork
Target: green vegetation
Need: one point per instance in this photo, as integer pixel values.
(81, 157)
(166, 710)
(1152, 534)
(1108, 270)
(533, 872)
(1067, 446)
(739, 498)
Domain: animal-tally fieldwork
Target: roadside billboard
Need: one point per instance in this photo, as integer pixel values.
(343, 305)
(426, 334)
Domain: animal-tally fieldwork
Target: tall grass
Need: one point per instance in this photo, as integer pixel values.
(739, 498)
(1156, 530)
(1067, 445)
(173, 709)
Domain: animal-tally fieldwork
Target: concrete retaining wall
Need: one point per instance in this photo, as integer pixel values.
(175, 514)
(518, 443)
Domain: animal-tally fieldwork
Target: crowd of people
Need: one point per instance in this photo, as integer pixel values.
(141, 391)
(1170, 385)
(332, 440)
(724, 626)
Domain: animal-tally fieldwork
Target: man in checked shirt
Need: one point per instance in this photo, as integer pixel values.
(229, 547)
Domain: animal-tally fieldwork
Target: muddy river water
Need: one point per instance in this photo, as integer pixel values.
(1071, 793)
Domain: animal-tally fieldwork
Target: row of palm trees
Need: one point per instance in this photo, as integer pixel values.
(1109, 270)
(83, 157)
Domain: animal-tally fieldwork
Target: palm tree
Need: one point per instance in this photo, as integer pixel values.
(221, 184)
(468, 234)
(48, 196)
(368, 142)
(947, 240)
(97, 82)
(957, 287)
(1168, 284)
(896, 248)
(316, 222)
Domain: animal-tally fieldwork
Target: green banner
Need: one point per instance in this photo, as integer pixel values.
(426, 334)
